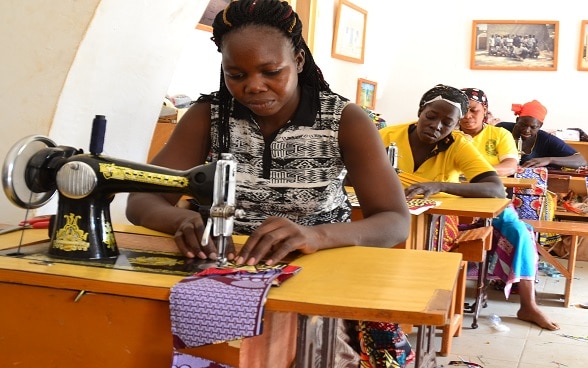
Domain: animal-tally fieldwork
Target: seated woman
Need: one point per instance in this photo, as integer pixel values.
(499, 149)
(539, 148)
(432, 150)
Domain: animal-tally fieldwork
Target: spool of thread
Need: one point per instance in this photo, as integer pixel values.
(98, 132)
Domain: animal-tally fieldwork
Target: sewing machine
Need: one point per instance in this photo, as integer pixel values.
(393, 155)
(36, 167)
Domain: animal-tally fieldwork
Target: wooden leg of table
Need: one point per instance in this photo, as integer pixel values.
(571, 269)
(454, 326)
(567, 272)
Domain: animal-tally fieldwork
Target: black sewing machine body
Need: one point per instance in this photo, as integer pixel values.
(86, 184)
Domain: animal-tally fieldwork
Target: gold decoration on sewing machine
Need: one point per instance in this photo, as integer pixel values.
(155, 261)
(109, 236)
(70, 237)
(113, 171)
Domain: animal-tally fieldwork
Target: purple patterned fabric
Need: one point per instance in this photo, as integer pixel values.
(188, 361)
(216, 308)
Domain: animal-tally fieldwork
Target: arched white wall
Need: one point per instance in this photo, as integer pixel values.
(114, 58)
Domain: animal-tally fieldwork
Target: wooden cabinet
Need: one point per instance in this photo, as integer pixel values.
(163, 129)
(581, 147)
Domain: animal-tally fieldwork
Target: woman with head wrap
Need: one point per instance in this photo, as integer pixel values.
(514, 242)
(539, 148)
(428, 149)
(496, 145)
(436, 152)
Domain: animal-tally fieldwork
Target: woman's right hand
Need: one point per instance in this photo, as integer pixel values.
(188, 238)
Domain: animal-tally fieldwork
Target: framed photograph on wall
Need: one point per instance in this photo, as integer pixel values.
(212, 9)
(366, 93)
(514, 44)
(349, 33)
(582, 58)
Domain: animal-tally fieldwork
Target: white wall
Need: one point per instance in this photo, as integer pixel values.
(67, 61)
(411, 46)
(64, 62)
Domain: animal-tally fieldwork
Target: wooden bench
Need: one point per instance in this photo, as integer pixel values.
(574, 229)
(473, 244)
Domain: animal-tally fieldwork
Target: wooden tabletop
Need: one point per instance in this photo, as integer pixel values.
(577, 228)
(469, 207)
(376, 284)
(523, 183)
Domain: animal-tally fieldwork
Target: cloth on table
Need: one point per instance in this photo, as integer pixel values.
(181, 360)
(221, 304)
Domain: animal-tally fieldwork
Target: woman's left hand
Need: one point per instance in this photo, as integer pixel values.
(424, 189)
(537, 162)
(274, 239)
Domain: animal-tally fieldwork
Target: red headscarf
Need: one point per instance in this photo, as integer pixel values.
(533, 108)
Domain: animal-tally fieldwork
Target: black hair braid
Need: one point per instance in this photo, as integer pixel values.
(273, 13)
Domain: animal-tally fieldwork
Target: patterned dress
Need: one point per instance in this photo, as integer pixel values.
(298, 173)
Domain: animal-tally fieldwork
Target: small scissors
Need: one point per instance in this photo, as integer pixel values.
(39, 222)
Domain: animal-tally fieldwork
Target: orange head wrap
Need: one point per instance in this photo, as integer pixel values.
(533, 108)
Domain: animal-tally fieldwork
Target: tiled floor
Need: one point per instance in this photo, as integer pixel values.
(526, 345)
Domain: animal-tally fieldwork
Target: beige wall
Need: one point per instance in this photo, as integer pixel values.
(411, 46)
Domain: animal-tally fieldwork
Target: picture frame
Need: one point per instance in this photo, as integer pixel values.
(366, 93)
(514, 45)
(582, 56)
(212, 9)
(349, 32)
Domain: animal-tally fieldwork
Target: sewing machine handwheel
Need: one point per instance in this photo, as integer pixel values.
(14, 172)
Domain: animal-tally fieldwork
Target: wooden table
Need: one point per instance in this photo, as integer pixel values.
(574, 229)
(122, 319)
(421, 225)
(422, 232)
(523, 183)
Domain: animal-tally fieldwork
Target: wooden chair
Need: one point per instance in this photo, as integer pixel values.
(473, 244)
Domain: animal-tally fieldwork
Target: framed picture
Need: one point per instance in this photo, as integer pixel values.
(349, 33)
(514, 44)
(366, 93)
(212, 9)
(582, 59)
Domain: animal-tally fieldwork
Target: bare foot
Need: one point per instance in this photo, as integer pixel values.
(537, 317)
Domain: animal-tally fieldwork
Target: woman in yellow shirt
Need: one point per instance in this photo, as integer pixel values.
(431, 148)
(515, 246)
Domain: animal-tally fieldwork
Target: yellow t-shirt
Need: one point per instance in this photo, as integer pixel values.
(496, 144)
(455, 155)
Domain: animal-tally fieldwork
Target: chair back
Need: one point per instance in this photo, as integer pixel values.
(531, 203)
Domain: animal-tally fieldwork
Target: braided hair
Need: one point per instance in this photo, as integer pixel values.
(273, 13)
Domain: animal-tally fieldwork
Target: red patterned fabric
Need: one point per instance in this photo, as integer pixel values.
(383, 345)
(450, 232)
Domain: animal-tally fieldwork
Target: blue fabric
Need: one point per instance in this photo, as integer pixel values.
(519, 234)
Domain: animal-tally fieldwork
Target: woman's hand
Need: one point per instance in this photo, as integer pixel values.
(276, 238)
(424, 189)
(537, 162)
(188, 239)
